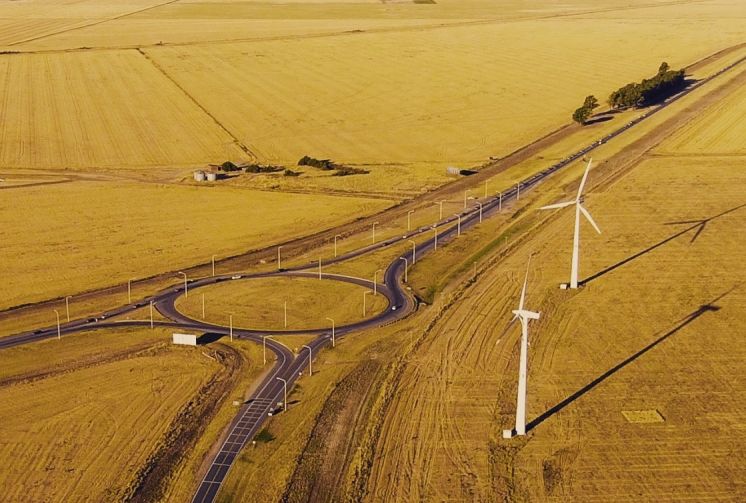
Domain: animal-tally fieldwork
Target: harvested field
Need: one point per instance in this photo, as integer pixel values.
(64, 432)
(655, 300)
(59, 249)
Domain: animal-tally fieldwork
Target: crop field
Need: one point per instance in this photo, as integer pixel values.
(655, 298)
(721, 131)
(58, 248)
(260, 303)
(96, 408)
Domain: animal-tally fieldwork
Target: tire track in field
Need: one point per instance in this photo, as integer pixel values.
(235, 139)
(94, 23)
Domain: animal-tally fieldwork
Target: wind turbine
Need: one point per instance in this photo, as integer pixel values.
(578, 210)
(524, 316)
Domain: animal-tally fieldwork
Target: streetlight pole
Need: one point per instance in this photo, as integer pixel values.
(59, 332)
(285, 309)
(129, 291)
(319, 268)
(151, 314)
(409, 221)
(375, 281)
(406, 266)
(186, 285)
(485, 188)
(435, 247)
(332, 330)
(203, 306)
(500, 203)
(374, 232)
(310, 359)
(414, 251)
(335, 244)
(264, 344)
(213, 265)
(365, 294)
(67, 307)
(441, 209)
(285, 386)
(480, 211)
(465, 194)
(231, 326)
(458, 228)
(279, 258)
(518, 196)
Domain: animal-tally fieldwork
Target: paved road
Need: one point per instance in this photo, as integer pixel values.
(288, 366)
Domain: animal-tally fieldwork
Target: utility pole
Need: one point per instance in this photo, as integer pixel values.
(406, 266)
(375, 281)
(59, 331)
(186, 284)
(67, 307)
(285, 385)
(480, 211)
(458, 228)
(365, 294)
(414, 251)
(332, 330)
(441, 209)
(335, 244)
(279, 258)
(409, 222)
(310, 359)
(213, 265)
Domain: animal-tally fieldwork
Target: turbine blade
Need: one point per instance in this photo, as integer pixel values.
(582, 182)
(557, 205)
(525, 282)
(589, 217)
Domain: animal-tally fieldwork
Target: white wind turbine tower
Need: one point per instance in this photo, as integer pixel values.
(576, 238)
(524, 316)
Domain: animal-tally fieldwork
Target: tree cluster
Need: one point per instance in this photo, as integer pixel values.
(347, 170)
(582, 114)
(228, 166)
(261, 168)
(665, 83)
(289, 172)
(323, 164)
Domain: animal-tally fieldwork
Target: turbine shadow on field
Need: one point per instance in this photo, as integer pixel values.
(709, 307)
(699, 225)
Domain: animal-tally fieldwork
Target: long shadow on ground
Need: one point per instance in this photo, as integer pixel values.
(709, 307)
(699, 225)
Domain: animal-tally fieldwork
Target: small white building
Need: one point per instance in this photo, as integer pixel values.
(211, 176)
(199, 176)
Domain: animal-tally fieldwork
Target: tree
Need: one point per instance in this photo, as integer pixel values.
(663, 68)
(581, 115)
(590, 102)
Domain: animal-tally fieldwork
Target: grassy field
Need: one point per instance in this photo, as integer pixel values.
(260, 303)
(101, 405)
(651, 331)
(85, 235)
